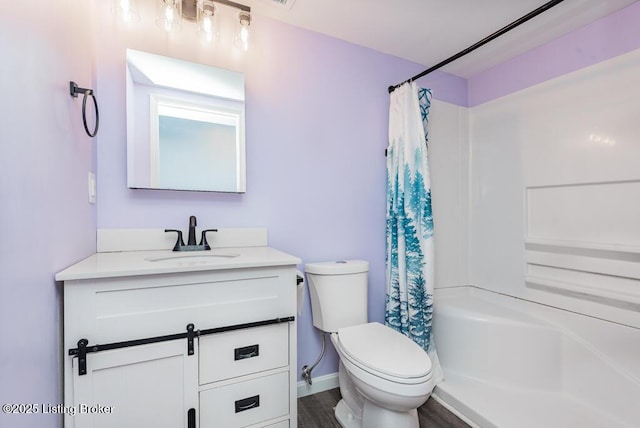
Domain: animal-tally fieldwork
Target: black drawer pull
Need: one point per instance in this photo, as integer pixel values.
(246, 352)
(247, 403)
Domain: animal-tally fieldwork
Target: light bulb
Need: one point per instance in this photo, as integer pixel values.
(208, 23)
(242, 38)
(168, 15)
(207, 26)
(207, 29)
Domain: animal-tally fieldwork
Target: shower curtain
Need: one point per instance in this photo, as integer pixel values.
(409, 250)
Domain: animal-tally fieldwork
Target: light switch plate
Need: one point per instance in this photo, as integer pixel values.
(92, 188)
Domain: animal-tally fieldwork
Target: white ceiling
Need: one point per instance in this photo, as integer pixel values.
(428, 31)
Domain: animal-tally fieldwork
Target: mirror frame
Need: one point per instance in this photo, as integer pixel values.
(143, 139)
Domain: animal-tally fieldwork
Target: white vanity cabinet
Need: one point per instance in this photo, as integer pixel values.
(150, 344)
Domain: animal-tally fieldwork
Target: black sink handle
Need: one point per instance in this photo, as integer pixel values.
(179, 241)
(203, 240)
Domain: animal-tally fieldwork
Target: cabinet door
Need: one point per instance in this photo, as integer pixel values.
(151, 385)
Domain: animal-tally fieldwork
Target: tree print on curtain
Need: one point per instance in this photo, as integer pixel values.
(409, 250)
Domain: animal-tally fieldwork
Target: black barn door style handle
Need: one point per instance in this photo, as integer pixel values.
(191, 418)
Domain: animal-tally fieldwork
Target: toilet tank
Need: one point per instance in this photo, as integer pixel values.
(338, 293)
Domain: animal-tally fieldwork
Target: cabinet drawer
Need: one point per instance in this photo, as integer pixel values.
(245, 403)
(240, 352)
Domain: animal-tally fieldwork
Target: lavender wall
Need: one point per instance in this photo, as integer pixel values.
(605, 38)
(316, 132)
(46, 220)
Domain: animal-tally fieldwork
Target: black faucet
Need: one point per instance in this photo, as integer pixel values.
(192, 230)
(191, 241)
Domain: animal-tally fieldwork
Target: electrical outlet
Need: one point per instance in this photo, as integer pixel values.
(92, 188)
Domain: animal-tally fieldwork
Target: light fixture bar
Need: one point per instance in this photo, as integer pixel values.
(234, 4)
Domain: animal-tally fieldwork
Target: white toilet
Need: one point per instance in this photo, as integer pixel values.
(384, 376)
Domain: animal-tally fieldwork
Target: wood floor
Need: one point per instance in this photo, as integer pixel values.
(316, 411)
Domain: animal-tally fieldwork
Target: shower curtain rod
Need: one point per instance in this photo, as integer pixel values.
(482, 42)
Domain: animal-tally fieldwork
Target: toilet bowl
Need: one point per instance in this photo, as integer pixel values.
(384, 376)
(391, 372)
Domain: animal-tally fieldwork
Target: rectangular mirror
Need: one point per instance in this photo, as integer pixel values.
(185, 125)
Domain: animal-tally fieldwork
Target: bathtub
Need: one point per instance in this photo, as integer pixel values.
(508, 363)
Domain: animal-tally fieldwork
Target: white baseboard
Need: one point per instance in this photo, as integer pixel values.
(320, 383)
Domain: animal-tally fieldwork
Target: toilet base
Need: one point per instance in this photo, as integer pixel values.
(346, 417)
(355, 410)
(374, 416)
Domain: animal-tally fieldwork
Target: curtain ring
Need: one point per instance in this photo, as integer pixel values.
(74, 90)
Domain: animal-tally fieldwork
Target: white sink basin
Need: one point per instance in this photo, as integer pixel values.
(186, 259)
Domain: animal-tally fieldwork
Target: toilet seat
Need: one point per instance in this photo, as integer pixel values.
(385, 353)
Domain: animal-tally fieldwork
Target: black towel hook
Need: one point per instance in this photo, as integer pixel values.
(74, 90)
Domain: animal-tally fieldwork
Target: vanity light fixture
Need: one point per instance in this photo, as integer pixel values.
(204, 13)
(170, 14)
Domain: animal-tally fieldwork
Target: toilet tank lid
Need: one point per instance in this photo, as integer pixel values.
(340, 267)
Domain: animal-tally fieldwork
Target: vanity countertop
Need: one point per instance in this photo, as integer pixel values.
(133, 263)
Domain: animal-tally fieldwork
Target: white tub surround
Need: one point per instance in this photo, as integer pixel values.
(166, 339)
(553, 192)
(510, 362)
